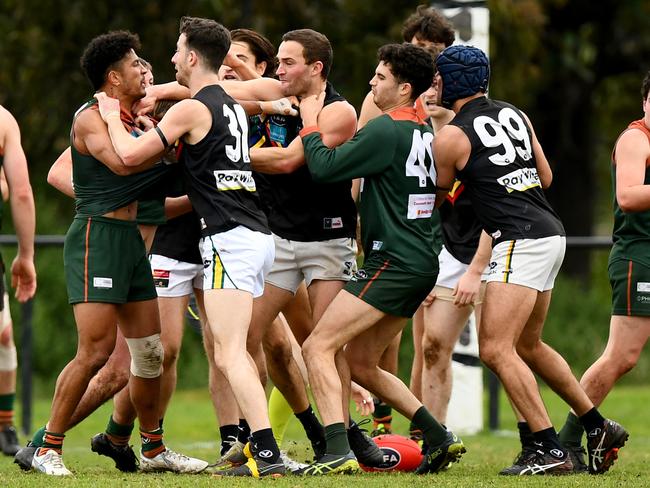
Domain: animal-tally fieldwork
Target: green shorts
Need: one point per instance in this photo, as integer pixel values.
(105, 261)
(630, 288)
(388, 288)
(151, 212)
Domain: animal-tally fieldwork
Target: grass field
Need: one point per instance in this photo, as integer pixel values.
(190, 428)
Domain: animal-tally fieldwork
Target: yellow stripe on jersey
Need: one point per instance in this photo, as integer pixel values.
(508, 270)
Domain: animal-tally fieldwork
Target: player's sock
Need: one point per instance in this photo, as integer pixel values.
(336, 438)
(525, 434)
(244, 431)
(311, 424)
(152, 442)
(264, 446)
(53, 441)
(118, 434)
(382, 414)
(37, 439)
(572, 430)
(548, 437)
(592, 420)
(7, 408)
(228, 435)
(279, 414)
(434, 434)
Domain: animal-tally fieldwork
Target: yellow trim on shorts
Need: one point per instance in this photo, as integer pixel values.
(507, 271)
(217, 270)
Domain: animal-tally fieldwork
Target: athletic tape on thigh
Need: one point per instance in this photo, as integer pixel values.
(146, 356)
(8, 358)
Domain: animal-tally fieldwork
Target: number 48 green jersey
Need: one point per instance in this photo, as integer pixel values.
(392, 154)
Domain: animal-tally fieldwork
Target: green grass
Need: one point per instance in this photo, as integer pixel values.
(190, 428)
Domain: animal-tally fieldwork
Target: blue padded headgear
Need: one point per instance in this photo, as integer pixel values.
(465, 70)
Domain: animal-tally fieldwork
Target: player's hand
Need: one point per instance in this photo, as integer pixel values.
(429, 298)
(467, 289)
(108, 107)
(23, 278)
(283, 106)
(144, 122)
(310, 107)
(147, 104)
(362, 400)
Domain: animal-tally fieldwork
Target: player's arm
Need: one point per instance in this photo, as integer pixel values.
(91, 137)
(243, 70)
(451, 149)
(278, 160)
(23, 273)
(355, 158)
(177, 206)
(369, 111)
(467, 289)
(145, 150)
(4, 188)
(60, 174)
(543, 167)
(632, 154)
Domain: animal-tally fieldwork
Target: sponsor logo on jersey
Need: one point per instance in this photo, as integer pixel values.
(376, 245)
(496, 234)
(520, 180)
(332, 223)
(99, 282)
(420, 206)
(642, 299)
(202, 222)
(160, 278)
(643, 287)
(234, 179)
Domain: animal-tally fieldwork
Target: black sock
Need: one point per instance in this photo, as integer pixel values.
(382, 411)
(160, 422)
(228, 434)
(244, 431)
(337, 439)
(311, 424)
(264, 446)
(548, 439)
(525, 435)
(592, 420)
(432, 431)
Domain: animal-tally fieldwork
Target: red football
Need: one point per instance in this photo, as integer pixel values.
(400, 453)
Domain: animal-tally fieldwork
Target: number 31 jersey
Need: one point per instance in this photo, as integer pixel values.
(217, 169)
(501, 173)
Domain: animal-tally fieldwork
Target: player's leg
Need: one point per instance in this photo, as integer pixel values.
(8, 364)
(382, 416)
(443, 324)
(96, 339)
(415, 384)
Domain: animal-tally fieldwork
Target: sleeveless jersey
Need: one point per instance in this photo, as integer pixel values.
(461, 230)
(501, 173)
(217, 170)
(298, 208)
(393, 155)
(98, 190)
(178, 238)
(631, 232)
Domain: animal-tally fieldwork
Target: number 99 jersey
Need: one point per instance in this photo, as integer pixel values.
(501, 173)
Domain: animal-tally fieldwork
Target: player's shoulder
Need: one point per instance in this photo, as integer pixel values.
(633, 137)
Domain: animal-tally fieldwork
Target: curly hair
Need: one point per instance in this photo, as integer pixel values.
(259, 45)
(208, 38)
(104, 52)
(409, 64)
(428, 24)
(645, 86)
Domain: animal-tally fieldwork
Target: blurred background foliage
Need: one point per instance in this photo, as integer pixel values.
(574, 66)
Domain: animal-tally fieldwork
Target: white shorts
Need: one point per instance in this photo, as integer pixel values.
(295, 261)
(450, 269)
(237, 259)
(528, 262)
(174, 278)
